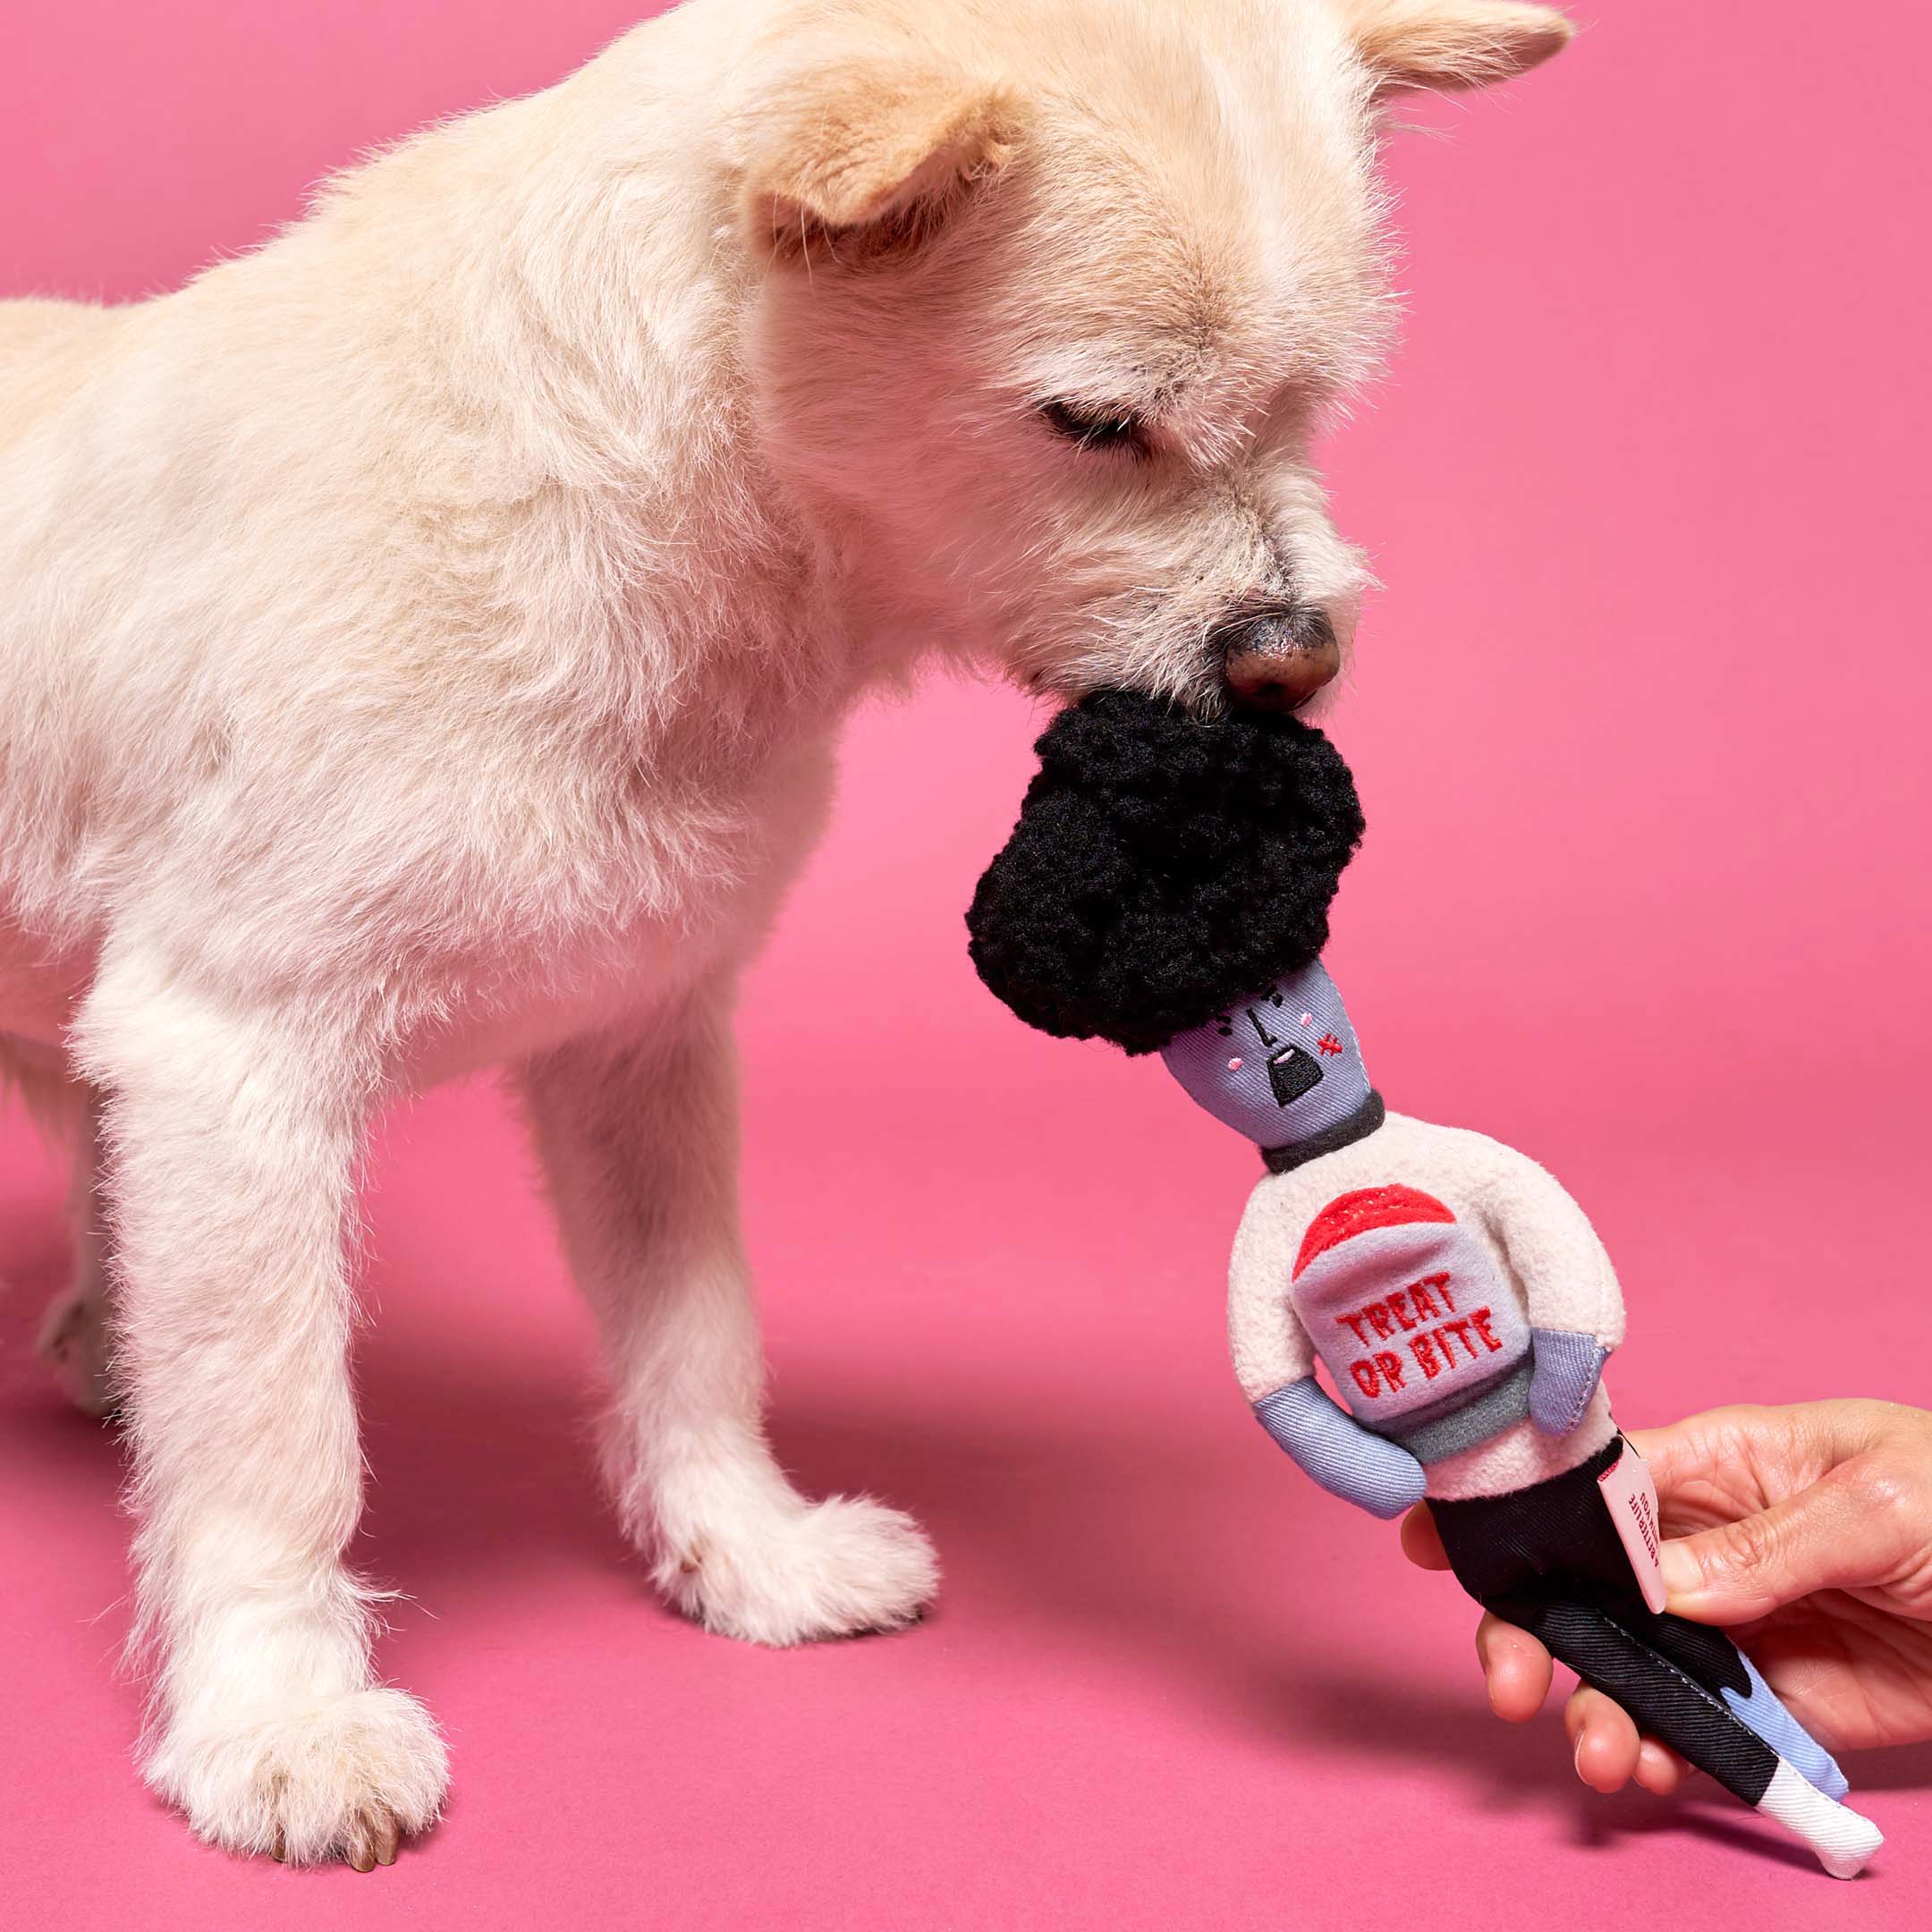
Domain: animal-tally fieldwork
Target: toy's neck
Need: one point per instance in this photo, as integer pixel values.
(1357, 1126)
(1283, 1069)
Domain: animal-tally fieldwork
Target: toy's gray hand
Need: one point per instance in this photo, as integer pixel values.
(1568, 1364)
(1344, 1458)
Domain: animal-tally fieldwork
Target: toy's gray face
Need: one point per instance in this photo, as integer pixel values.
(1280, 1068)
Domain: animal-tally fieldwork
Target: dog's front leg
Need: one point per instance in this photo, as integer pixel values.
(639, 1135)
(232, 1137)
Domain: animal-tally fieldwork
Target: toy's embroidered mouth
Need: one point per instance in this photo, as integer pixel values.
(1293, 1072)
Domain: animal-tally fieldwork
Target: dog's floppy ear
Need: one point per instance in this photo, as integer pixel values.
(860, 161)
(1447, 44)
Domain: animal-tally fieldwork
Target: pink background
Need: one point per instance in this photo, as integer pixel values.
(1641, 721)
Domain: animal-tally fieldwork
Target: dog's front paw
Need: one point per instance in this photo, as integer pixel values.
(73, 1341)
(780, 1576)
(344, 1777)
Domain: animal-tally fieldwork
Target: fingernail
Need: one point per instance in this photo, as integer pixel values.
(1681, 1573)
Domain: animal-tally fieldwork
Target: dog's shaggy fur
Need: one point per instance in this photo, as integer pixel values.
(422, 642)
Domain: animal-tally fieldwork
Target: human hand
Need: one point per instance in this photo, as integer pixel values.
(1807, 1532)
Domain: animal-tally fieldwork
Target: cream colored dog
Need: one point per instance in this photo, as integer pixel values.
(421, 646)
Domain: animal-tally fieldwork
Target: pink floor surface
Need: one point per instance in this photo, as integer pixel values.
(1168, 1684)
(1640, 720)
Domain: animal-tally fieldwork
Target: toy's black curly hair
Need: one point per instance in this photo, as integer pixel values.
(1162, 867)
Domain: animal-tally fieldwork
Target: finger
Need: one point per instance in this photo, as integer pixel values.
(1603, 1739)
(1828, 1537)
(1750, 1449)
(1516, 1669)
(1659, 1768)
(1611, 1736)
(1719, 1451)
(1419, 1542)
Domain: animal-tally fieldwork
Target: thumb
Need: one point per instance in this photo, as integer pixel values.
(1823, 1537)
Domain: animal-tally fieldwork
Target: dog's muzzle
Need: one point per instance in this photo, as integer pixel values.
(1276, 660)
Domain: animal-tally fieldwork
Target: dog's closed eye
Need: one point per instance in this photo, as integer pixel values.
(1102, 429)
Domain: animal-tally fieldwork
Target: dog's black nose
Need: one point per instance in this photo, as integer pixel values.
(1276, 660)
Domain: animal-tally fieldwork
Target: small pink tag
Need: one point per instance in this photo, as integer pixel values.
(1630, 1497)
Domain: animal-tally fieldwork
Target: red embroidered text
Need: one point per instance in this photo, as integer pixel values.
(1438, 1339)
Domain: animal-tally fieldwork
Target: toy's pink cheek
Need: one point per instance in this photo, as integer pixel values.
(1234, 1066)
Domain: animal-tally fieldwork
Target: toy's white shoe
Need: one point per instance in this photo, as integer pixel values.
(1843, 1841)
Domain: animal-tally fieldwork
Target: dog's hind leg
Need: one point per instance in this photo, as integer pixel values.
(73, 1332)
(638, 1136)
(75, 1337)
(231, 1133)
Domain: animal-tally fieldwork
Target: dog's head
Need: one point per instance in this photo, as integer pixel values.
(1056, 293)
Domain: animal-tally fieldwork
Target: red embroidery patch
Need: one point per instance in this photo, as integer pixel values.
(1366, 1208)
(1329, 1043)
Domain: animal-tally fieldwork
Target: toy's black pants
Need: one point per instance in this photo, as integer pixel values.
(1549, 1559)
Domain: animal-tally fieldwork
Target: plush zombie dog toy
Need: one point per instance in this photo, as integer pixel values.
(1167, 888)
